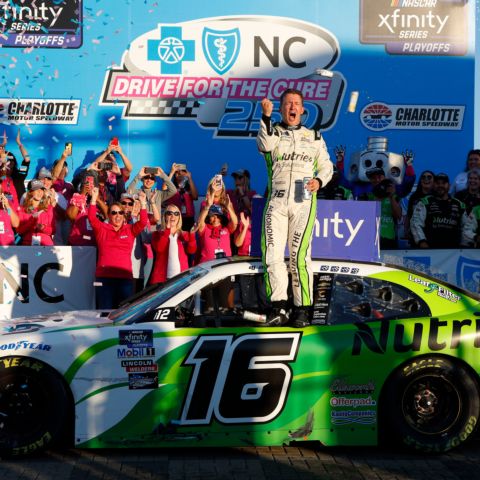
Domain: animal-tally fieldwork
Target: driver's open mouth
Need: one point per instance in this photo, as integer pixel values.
(292, 115)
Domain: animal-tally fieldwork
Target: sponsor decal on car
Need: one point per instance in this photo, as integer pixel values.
(136, 338)
(435, 287)
(342, 417)
(453, 331)
(352, 402)
(341, 387)
(135, 352)
(142, 381)
(25, 345)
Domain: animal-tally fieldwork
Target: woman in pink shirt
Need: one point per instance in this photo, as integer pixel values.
(215, 227)
(171, 246)
(214, 230)
(114, 278)
(8, 221)
(81, 233)
(37, 218)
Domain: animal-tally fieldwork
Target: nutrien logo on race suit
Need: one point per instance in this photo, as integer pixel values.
(379, 116)
(215, 71)
(416, 27)
(41, 24)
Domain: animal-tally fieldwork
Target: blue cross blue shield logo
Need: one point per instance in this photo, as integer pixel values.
(221, 48)
(468, 273)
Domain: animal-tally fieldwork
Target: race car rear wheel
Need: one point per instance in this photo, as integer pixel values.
(431, 404)
(33, 406)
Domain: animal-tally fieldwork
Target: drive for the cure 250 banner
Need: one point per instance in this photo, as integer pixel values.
(214, 71)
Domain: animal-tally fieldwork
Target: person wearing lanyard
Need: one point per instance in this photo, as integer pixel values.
(215, 229)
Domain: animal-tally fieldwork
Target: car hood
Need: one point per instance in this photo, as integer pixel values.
(58, 320)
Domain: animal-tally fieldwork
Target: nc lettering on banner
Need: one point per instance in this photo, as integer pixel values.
(343, 229)
(38, 280)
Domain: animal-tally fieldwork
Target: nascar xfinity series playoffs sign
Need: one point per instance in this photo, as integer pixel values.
(182, 81)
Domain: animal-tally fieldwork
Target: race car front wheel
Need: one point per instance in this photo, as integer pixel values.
(431, 404)
(33, 406)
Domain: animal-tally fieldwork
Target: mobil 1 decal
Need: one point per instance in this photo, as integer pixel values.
(239, 379)
(41, 23)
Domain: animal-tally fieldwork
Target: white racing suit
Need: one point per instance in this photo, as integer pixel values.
(291, 154)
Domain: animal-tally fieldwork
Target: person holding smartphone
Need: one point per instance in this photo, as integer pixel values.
(37, 217)
(148, 177)
(81, 233)
(12, 175)
(186, 193)
(8, 221)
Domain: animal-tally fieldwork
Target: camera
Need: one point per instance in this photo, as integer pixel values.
(68, 148)
(381, 190)
(150, 170)
(105, 166)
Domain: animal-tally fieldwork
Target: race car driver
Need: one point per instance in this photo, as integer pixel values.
(298, 165)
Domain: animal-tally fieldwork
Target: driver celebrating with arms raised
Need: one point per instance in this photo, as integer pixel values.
(298, 165)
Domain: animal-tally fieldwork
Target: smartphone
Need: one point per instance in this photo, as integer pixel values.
(105, 166)
(68, 148)
(89, 182)
(218, 180)
(151, 170)
(114, 141)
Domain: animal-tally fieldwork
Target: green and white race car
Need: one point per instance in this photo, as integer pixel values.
(391, 355)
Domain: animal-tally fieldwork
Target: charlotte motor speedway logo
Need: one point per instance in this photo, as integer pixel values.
(215, 71)
(36, 111)
(380, 116)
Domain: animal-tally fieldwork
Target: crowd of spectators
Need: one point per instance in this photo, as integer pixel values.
(146, 229)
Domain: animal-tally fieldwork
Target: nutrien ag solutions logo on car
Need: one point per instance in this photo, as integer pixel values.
(216, 71)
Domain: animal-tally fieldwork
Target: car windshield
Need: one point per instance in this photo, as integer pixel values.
(131, 311)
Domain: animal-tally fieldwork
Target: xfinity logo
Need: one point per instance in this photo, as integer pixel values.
(341, 228)
(37, 12)
(401, 20)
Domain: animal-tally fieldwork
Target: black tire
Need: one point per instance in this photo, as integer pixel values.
(431, 404)
(33, 406)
